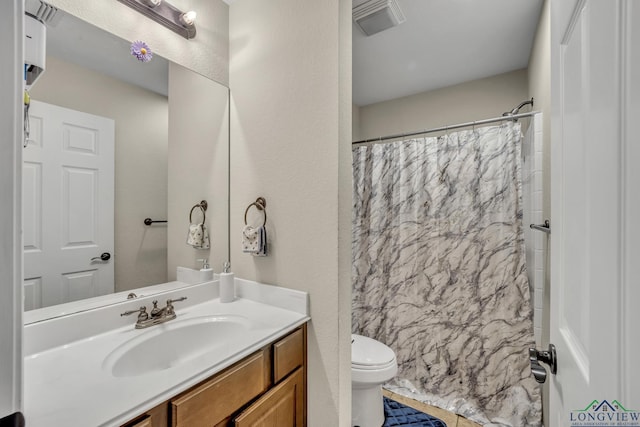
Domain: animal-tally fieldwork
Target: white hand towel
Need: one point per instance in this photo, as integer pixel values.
(250, 239)
(254, 240)
(198, 236)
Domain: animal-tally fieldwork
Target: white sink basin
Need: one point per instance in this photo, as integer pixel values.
(170, 344)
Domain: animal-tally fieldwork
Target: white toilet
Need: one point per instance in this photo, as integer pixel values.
(372, 364)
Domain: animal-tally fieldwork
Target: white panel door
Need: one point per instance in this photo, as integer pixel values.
(594, 231)
(68, 181)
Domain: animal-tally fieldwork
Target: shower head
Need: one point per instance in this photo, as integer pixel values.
(517, 109)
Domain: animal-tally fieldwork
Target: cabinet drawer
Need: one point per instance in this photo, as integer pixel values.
(145, 422)
(288, 354)
(216, 399)
(282, 406)
(156, 417)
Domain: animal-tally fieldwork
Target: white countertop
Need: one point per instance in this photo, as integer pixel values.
(68, 382)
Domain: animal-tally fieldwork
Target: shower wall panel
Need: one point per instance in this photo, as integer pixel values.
(535, 241)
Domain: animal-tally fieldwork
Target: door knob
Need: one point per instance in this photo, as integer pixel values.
(106, 256)
(548, 357)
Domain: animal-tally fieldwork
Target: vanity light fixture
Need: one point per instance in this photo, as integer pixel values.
(166, 14)
(152, 3)
(188, 18)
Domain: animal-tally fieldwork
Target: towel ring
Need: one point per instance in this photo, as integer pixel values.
(260, 204)
(203, 207)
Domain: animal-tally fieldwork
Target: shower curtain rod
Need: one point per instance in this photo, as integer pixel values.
(448, 128)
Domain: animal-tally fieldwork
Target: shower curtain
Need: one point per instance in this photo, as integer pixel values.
(439, 270)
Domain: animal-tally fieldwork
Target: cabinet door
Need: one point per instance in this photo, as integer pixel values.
(217, 399)
(288, 354)
(282, 406)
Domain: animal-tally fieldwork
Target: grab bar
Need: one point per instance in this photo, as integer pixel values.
(149, 221)
(546, 227)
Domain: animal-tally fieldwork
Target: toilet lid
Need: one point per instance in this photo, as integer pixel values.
(367, 352)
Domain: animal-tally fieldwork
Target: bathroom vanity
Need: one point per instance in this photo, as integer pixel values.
(215, 364)
(274, 375)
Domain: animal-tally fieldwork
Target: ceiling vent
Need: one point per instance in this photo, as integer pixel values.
(43, 12)
(373, 16)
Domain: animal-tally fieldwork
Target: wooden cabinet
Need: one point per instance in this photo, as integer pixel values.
(267, 388)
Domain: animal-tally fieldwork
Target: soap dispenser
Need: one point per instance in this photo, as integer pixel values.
(206, 272)
(227, 284)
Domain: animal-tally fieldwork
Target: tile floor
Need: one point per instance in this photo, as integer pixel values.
(449, 418)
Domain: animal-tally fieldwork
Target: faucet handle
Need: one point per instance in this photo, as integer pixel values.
(170, 302)
(142, 313)
(155, 311)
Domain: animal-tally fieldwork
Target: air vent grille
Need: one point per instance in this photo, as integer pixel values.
(373, 16)
(43, 12)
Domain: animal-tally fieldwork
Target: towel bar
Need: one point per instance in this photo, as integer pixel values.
(546, 227)
(261, 205)
(203, 205)
(149, 221)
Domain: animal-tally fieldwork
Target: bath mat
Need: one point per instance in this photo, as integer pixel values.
(398, 415)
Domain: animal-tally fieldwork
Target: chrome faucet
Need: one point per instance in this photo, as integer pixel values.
(157, 315)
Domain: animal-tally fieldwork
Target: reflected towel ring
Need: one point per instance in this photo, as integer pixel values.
(261, 205)
(203, 207)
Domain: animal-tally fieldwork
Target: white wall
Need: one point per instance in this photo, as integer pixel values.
(141, 140)
(355, 126)
(539, 80)
(290, 74)
(198, 166)
(207, 53)
(465, 102)
(11, 13)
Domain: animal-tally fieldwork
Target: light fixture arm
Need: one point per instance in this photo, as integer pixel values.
(166, 14)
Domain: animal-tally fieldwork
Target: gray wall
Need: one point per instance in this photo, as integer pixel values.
(290, 76)
(464, 102)
(198, 166)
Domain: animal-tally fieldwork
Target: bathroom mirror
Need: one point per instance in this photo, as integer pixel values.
(164, 131)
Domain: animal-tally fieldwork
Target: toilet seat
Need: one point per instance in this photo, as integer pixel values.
(369, 354)
(373, 367)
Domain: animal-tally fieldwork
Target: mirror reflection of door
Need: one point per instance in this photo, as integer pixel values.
(68, 193)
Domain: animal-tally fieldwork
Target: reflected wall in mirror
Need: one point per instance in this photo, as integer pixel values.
(156, 126)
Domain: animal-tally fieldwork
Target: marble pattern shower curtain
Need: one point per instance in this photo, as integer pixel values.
(439, 270)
